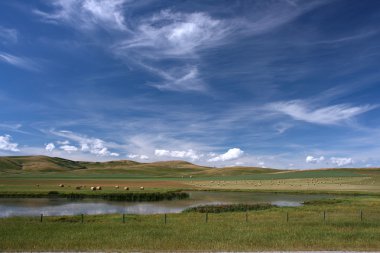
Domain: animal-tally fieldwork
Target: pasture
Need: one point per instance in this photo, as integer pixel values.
(347, 224)
(44, 174)
(334, 181)
(304, 229)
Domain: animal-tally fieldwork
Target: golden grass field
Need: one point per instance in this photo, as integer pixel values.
(22, 174)
(340, 184)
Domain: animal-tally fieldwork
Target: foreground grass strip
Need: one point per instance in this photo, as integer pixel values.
(305, 229)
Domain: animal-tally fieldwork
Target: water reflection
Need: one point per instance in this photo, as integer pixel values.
(52, 207)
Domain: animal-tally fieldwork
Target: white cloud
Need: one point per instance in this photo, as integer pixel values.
(329, 115)
(68, 148)
(65, 142)
(7, 144)
(8, 35)
(95, 146)
(231, 154)
(89, 145)
(179, 79)
(148, 41)
(341, 161)
(161, 152)
(144, 157)
(338, 161)
(87, 14)
(282, 127)
(262, 164)
(141, 157)
(19, 62)
(191, 154)
(50, 147)
(312, 159)
(175, 34)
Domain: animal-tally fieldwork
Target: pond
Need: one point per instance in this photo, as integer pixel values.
(59, 206)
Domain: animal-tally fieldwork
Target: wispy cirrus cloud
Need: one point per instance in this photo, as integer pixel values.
(20, 62)
(359, 36)
(168, 36)
(11, 126)
(87, 14)
(8, 35)
(172, 34)
(328, 115)
(183, 78)
(169, 43)
(179, 36)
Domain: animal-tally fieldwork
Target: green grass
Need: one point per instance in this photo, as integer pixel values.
(120, 196)
(229, 208)
(171, 174)
(288, 175)
(265, 230)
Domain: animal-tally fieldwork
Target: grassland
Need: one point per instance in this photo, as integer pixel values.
(305, 228)
(22, 174)
(269, 229)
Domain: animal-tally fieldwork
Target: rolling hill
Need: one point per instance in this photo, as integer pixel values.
(30, 164)
(38, 165)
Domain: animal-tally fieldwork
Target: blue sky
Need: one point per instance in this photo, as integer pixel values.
(284, 84)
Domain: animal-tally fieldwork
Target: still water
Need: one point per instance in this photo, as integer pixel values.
(51, 207)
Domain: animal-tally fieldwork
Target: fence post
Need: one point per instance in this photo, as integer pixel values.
(41, 217)
(361, 215)
(246, 216)
(165, 218)
(206, 217)
(287, 216)
(123, 217)
(324, 215)
(82, 217)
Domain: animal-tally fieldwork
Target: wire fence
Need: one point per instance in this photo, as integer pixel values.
(324, 216)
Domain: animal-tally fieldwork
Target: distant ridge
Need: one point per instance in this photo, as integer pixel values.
(14, 164)
(56, 164)
(38, 163)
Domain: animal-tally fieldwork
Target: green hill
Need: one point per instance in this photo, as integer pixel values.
(38, 163)
(19, 164)
(167, 169)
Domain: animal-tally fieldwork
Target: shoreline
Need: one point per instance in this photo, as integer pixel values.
(130, 196)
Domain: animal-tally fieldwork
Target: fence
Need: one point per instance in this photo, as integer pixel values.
(247, 217)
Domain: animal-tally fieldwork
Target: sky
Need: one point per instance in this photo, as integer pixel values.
(278, 83)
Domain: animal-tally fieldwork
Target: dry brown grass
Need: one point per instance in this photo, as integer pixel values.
(347, 184)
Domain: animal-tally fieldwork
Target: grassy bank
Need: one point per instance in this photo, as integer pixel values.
(229, 208)
(321, 226)
(124, 196)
